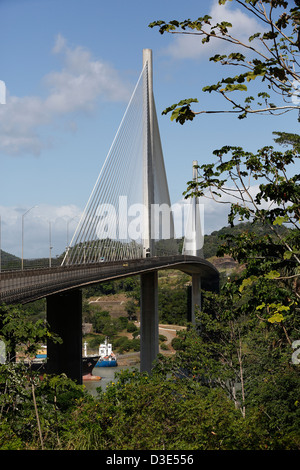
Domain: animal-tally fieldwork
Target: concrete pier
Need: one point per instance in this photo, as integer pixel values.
(149, 320)
(196, 295)
(64, 315)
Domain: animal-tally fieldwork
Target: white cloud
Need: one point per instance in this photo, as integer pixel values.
(214, 212)
(76, 87)
(42, 223)
(81, 81)
(61, 222)
(187, 46)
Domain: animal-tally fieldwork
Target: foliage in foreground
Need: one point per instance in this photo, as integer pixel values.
(232, 384)
(271, 58)
(141, 412)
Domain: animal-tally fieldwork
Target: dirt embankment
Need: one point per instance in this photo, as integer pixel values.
(115, 304)
(226, 264)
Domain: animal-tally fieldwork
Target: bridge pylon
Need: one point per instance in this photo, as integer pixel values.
(193, 244)
(128, 214)
(155, 186)
(194, 236)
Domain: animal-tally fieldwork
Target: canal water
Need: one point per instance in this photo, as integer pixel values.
(107, 375)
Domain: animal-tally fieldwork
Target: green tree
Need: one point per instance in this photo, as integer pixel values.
(245, 334)
(30, 408)
(131, 327)
(100, 319)
(142, 412)
(286, 138)
(270, 56)
(19, 332)
(131, 308)
(273, 256)
(172, 304)
(213, 353)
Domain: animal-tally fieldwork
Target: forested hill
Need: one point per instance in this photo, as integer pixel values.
(211, 244)
(9, 261)
(214, 240)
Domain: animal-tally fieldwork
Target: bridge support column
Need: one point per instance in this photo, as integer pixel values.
(196, 296)
(149, 320)
(64, 315)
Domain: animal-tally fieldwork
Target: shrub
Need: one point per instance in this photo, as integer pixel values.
(131, 327)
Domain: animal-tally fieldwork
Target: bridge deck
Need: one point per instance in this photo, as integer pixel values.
(29, 285)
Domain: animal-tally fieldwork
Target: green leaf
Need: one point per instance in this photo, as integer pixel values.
(256, 35)
(276, 318)
(239, 87)
(272, 275)
(280, 220)
(236, 56)
(247, 282)
(287, 255)
(217, 57)
(211, 88)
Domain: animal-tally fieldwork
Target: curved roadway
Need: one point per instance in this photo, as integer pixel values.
(29, 285)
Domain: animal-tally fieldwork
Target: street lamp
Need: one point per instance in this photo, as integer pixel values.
(50, 246)
(22, 264)
(0, 245)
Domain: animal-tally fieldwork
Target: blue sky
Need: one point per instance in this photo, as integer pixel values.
(69, 67)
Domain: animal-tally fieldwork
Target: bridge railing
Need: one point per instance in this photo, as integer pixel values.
(29, 285)
(36, 263)
(161, 248)
(35, 283)
(32, 283)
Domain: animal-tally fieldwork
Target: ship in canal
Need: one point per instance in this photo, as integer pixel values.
(107, 358)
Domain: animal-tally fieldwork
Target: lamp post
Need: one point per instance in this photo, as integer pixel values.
(50, 246)
(22, 263)
(0, 246)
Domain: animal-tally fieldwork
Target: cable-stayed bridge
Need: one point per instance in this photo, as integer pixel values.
(127, 228)
(128, 215)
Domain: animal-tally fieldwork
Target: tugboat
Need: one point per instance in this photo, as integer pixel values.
(106, 356)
